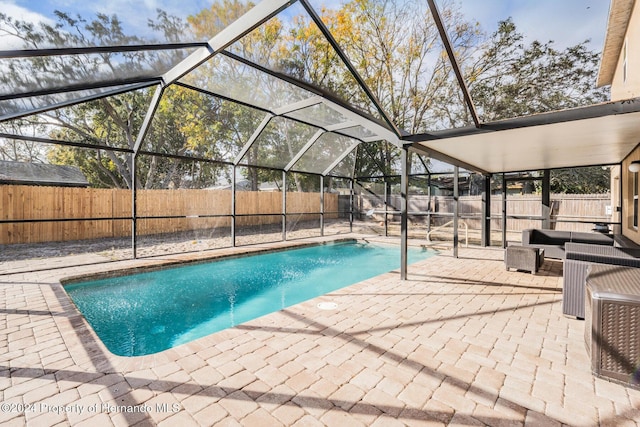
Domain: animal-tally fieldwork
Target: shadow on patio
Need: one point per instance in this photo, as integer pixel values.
(461, 342)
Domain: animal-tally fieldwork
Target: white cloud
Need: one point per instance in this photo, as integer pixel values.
(19, 12)
(8, 42)
(134, 15)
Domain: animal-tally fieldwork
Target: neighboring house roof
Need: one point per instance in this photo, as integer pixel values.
(619, 16)
(245, 185)
(41, 174)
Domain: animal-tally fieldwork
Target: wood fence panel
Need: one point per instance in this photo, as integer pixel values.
(589, 208)
(258, 202)
(32, 202)
(121, 208)
(331, 205)
(299, 202)
(302, 203)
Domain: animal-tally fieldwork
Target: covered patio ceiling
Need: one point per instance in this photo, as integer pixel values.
(595, 135)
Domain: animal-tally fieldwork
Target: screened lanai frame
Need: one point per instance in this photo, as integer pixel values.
(354, 124)
(331, 121)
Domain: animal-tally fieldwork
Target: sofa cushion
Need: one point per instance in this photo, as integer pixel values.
(602, 254)
(549, 237)
(622, 241)
(593, 238)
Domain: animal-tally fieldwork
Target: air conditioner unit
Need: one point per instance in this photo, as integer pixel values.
(612, 323)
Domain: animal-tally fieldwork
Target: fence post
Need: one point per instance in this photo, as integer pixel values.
(233, 206)
(456, 210)
(321, 205)
(134, 208)
(284, 205)
(486, 212)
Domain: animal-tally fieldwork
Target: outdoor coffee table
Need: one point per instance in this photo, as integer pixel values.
(524, 258)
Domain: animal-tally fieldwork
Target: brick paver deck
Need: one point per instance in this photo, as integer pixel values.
(462, 342)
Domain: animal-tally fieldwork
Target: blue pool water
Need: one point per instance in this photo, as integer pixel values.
(149, 312)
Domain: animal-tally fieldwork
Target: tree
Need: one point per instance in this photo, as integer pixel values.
(99, 122)
(396, 48)
(511, 79)
(588, 180)
(19, 150)
(108, 122)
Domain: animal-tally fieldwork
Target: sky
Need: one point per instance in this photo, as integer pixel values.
(567, 22)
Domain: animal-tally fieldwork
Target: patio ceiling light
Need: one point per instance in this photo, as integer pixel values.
(634, 166)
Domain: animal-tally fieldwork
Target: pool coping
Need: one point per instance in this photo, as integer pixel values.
(93, 354)
(208, 257)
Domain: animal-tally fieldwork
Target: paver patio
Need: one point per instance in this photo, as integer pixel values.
(462, 342)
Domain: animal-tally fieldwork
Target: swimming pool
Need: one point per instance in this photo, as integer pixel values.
(149, 312)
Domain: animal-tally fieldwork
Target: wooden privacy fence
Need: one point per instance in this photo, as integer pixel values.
(588, 208)
(93, 213)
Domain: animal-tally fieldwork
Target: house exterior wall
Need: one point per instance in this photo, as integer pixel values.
(621, 89)
(628, 230)
(615, 197)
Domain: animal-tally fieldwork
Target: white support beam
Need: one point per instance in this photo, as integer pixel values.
(340, 158)
(371, 139)
(381, 131)
(255, 17)
(309, 102)
(256, 133)
(153, 106)
(306, 147)
(339, 126)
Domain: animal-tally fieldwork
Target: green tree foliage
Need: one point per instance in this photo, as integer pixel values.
(511, 79)
(588, 180)
(113, 121)
(395, 47)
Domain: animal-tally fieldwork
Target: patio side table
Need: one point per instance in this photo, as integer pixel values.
(612, 322)
(523, 258)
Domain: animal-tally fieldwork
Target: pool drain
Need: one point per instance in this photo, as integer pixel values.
(327, 305)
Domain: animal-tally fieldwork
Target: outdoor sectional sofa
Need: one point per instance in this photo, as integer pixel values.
(579, 250)
(553, 241)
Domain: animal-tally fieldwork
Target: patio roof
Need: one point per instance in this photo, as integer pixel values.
(41, 174)
(595, 135)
